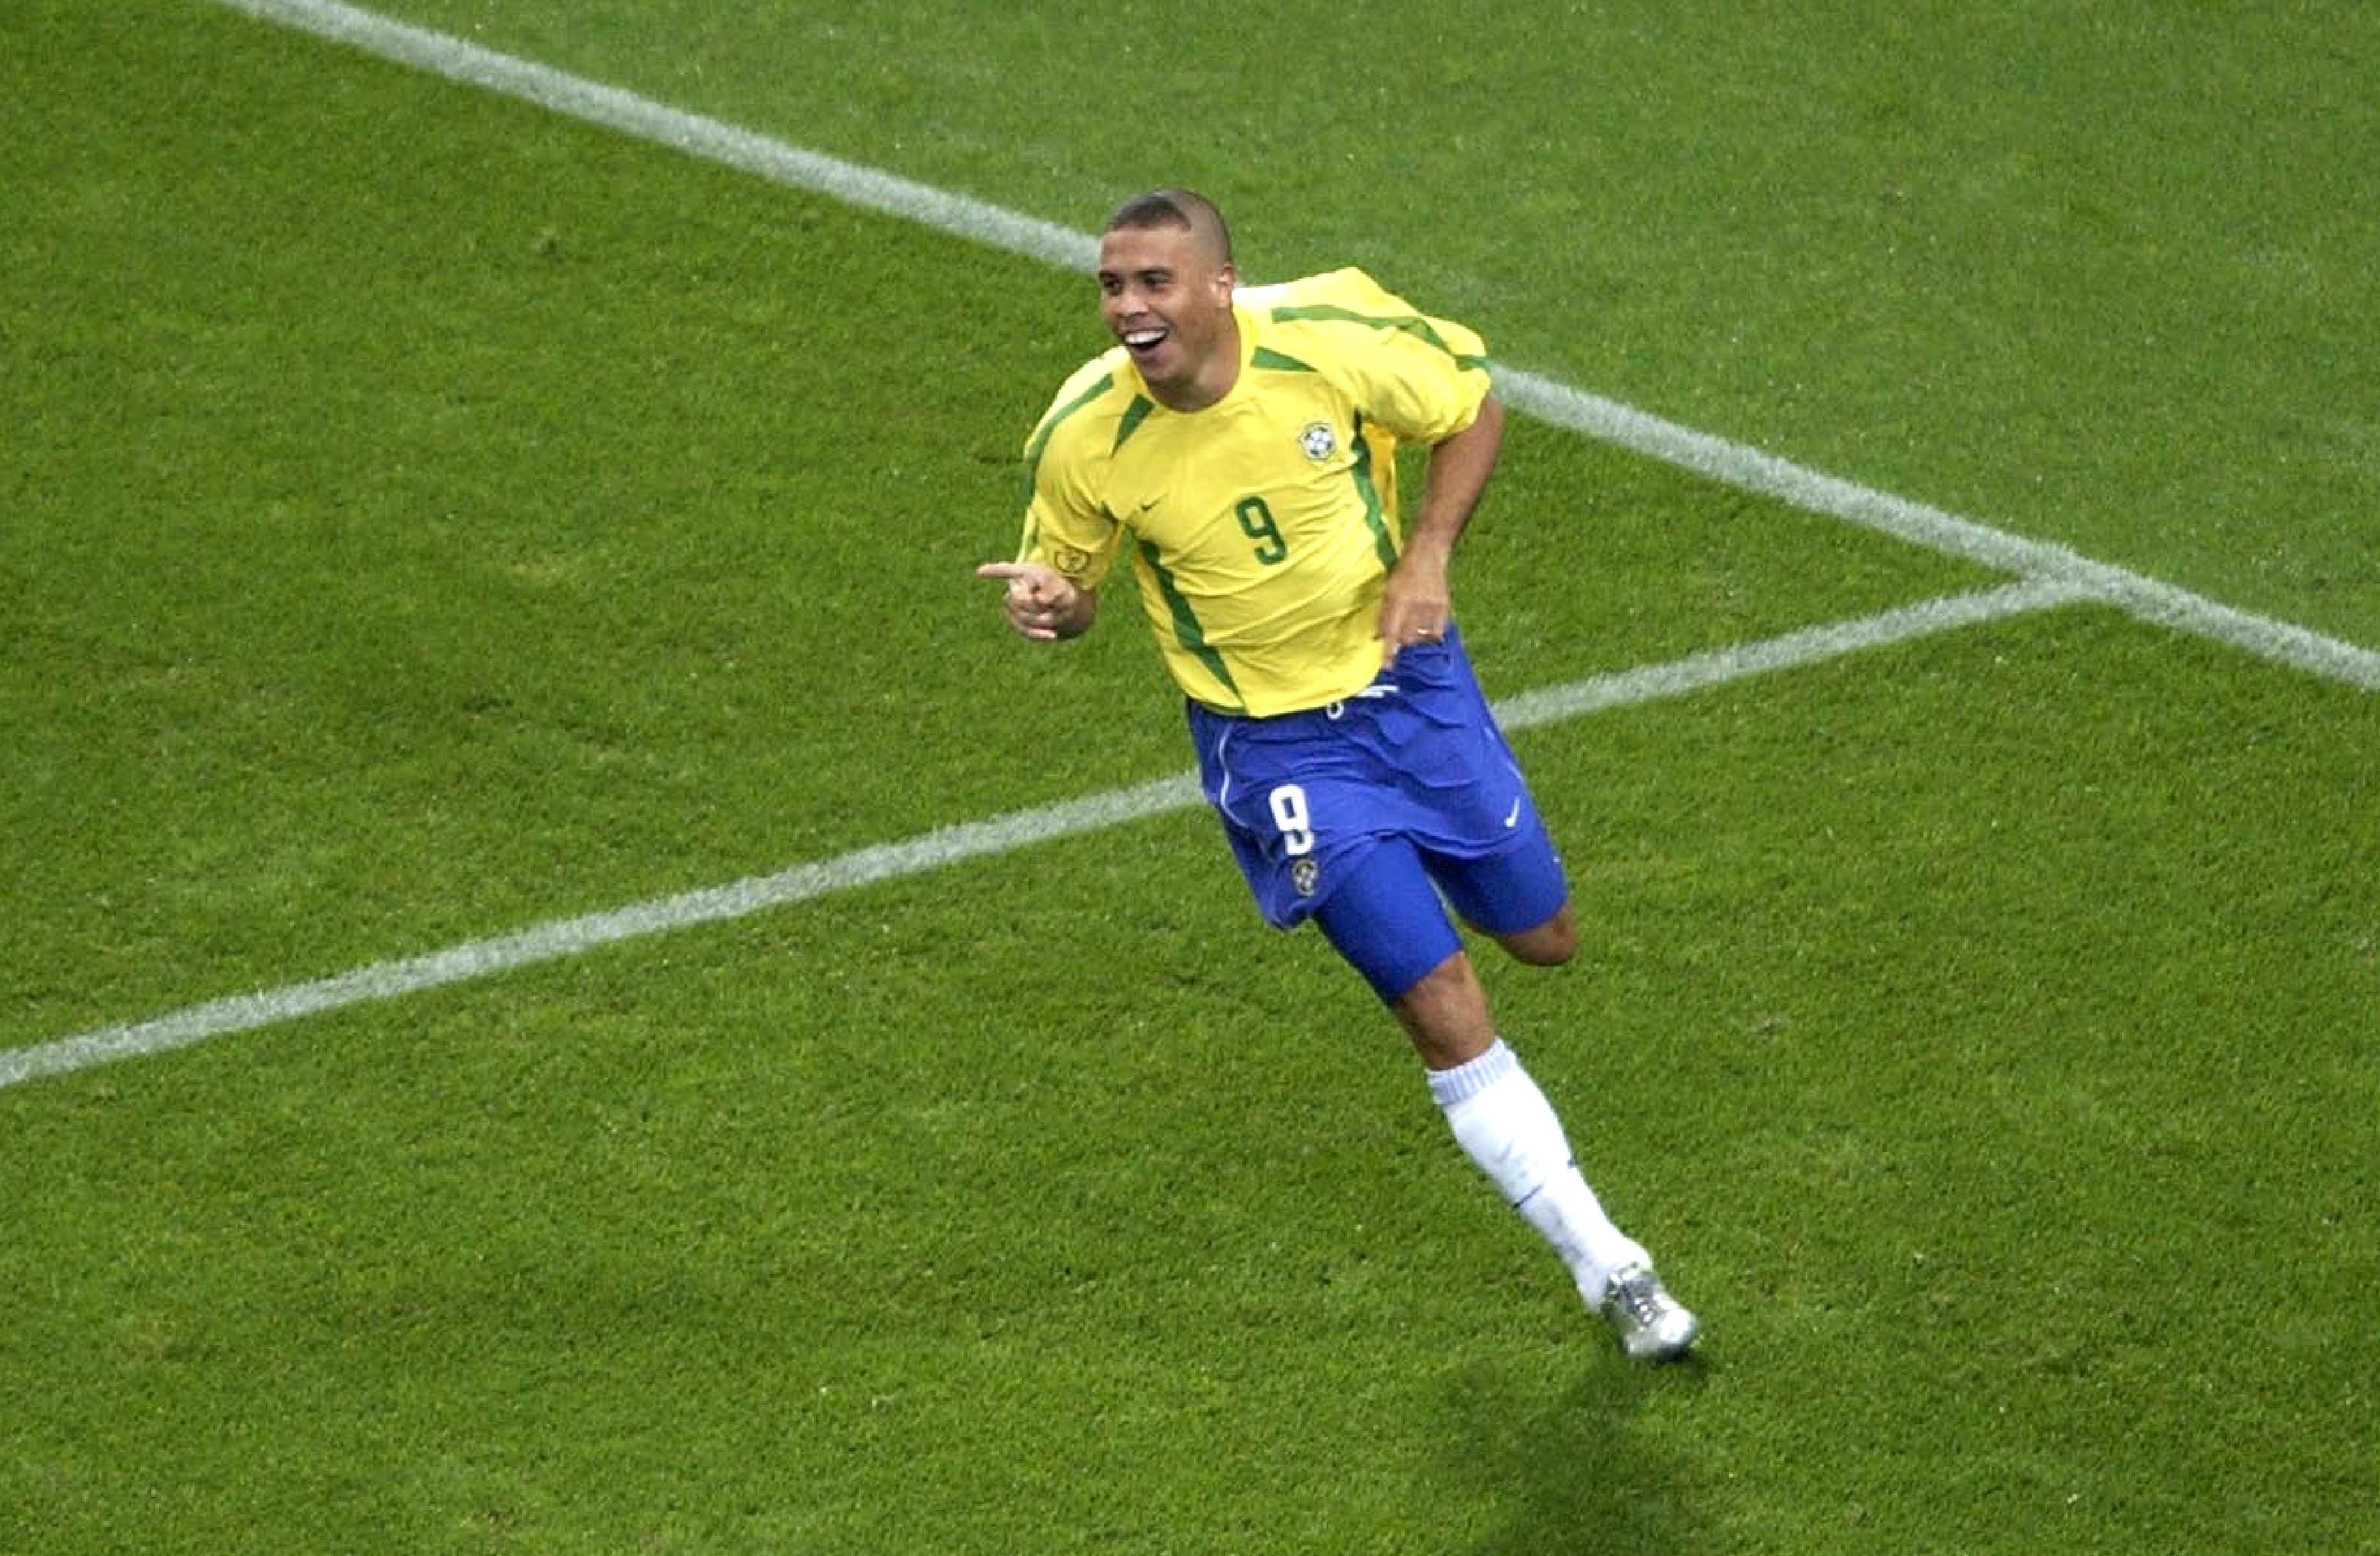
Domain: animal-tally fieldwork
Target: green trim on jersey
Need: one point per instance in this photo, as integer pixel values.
(1041, 444)
(1134, 415)
(1186, 628)
(1413, 324)
(1374, 512)
(1258, 546)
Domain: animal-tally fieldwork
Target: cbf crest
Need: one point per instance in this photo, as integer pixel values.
(1320, 441)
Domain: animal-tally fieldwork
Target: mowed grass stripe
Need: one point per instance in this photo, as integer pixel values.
(560, 937)
(1719, 460)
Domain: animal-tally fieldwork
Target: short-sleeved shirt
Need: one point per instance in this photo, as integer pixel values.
(1260, 528)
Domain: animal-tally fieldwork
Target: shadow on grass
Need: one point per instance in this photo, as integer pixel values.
(1580, 1474)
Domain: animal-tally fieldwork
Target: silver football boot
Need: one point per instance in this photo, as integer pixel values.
(1652, 1325)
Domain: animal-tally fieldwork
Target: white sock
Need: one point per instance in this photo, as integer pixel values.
(1506, 1126)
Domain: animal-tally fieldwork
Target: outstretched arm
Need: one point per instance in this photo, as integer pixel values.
(1418, 601)
(1042, 604)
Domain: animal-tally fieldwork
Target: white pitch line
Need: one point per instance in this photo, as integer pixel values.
(1730, 464)
(1748, 469)
(927, 851)
(1810, 646)
(440, 53)
(2058, 576)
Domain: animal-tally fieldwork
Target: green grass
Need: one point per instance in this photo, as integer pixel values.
(2098, 272)
(428, 518)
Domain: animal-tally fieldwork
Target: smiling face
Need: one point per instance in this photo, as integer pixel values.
(1165, 291)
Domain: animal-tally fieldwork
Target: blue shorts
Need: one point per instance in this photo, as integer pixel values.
(1306, 798)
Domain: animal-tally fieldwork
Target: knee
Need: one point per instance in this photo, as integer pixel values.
(1549, 944)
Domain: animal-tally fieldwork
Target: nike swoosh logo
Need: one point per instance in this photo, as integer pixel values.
(1514, 818)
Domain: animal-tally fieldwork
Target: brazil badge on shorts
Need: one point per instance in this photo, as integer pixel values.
(1416, 755)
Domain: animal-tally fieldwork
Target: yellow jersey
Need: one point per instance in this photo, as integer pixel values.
(1261, 527)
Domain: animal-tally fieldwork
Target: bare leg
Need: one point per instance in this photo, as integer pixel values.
(1446, 1015)
(1549, 944)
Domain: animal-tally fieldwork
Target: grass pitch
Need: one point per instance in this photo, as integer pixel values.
(428, 518)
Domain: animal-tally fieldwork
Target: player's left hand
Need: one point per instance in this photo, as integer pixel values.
(1417, 606)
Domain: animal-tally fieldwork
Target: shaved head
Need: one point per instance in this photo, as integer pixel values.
(1178, 208)
(1166, 283)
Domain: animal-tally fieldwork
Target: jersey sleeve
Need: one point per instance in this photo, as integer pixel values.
(1423, 378)
(1066, 526)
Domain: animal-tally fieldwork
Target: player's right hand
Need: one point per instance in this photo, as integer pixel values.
(1042, 602)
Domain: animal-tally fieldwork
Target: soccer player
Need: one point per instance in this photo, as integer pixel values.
(1238, 446)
